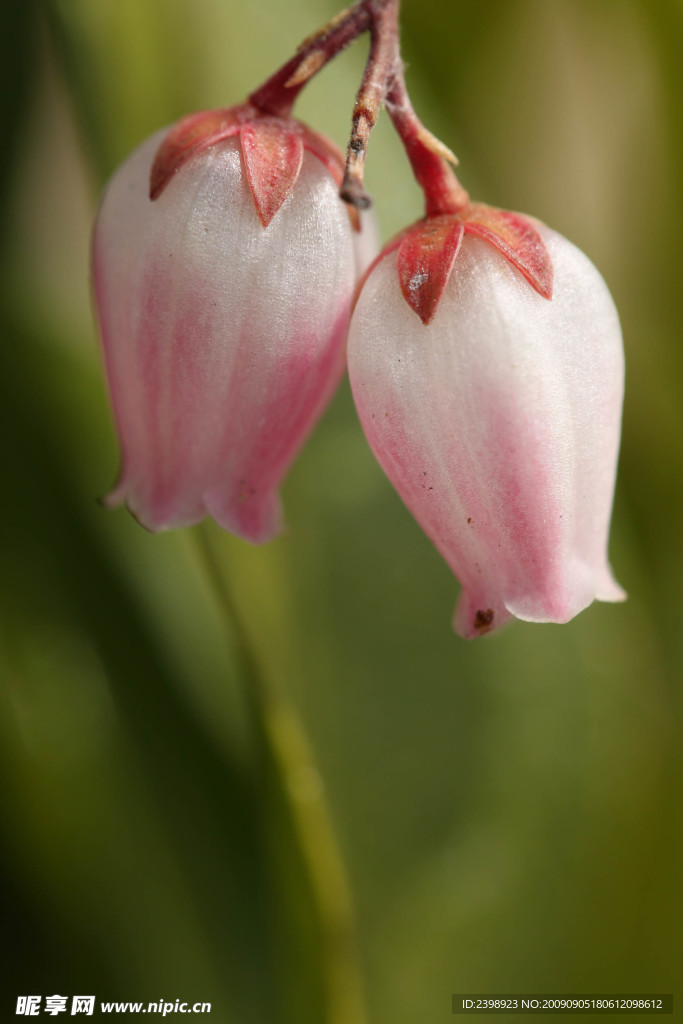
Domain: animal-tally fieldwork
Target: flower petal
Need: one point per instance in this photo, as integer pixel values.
(223, 342)
(498, 424)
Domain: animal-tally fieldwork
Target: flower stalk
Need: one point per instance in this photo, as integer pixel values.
(383, 83)
(278, 94)
(286, 758)
(429, 158)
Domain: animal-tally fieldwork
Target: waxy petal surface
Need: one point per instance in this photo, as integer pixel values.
(498, 423)
(223, 340)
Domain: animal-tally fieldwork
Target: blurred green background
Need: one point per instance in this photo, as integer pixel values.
(509, 810)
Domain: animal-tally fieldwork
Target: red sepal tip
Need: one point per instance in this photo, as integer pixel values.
(516, 237)
(425, 261)
(272, 157)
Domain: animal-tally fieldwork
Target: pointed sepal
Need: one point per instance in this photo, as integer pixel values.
(189, 136)
(517, 239)
(273, 155)
(326, 151)
(425, 260)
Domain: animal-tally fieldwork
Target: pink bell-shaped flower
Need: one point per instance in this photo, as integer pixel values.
(224, 269)
(494, 409)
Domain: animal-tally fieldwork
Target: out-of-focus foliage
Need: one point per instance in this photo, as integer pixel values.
(510, 809)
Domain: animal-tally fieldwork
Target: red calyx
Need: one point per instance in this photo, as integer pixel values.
(273, 158)
(425, 260)
(428, 251)
(272, 148)
(191, 135)
(518, 240)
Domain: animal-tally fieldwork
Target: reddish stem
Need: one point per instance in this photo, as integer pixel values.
(383, 82)
(277, 95)
(443, 192)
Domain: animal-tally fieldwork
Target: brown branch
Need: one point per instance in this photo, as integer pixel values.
(370, 97)
(384, 83)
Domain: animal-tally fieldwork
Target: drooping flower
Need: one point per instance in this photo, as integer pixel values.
(495, 409)
(224, 269)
